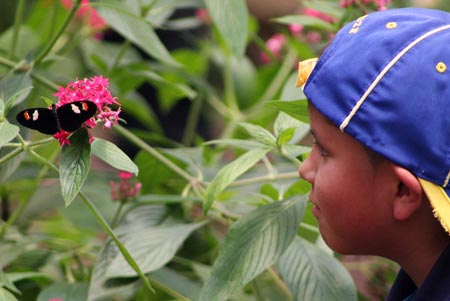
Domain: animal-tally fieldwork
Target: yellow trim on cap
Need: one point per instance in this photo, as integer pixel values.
(439, 201)
(304, 70)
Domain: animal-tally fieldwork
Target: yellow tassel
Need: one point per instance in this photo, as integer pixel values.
(439, 201)
(304, 70)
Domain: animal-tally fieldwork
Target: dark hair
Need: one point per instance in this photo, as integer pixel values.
(374, 157)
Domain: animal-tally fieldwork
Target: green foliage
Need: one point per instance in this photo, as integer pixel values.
(75, 164)
(209, 134)
(252, 245)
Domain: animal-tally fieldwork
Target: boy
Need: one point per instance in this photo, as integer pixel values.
(379, 103)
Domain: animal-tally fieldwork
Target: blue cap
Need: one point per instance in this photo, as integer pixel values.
(385, 80)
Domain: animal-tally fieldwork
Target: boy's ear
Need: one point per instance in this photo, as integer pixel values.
(408, 197)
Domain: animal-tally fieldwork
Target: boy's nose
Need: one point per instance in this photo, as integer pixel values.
(307, 170)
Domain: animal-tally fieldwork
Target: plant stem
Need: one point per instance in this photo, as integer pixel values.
(117, 214)
(192, 120)
(13, 65)
(270, 177)
(165, 288)
(258, 293)
(128, 257)
(44, 81)
(7, 63)
(17, 23)
(10, 155)
(123, 49)
(229, 93)
(280, 284)
(139, 142)
(53, 41)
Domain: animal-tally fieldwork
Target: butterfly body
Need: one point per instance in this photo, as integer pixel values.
(68, 117)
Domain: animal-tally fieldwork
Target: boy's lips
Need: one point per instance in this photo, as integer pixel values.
(316, 208)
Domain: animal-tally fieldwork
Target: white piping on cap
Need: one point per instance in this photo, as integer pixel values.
(383, 73)
(447, 179)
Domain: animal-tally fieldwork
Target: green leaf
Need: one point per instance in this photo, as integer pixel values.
(285, 122)
(14, 277)
(12, 249)
(229, 173)
(245, 144)
(64, 291)
(295, 108)
(293, 150)
(312, 274)
(151, 247)
(123, 19)
(285, 136)
(178, 282)
(305, 20)
(152, 174)
(253, 244)
(231, 18)
(74, 166)
(289, 129)
(135, 105)
(151, 243)
(170, 87)
(113, 155)
(331, 8)
(14, 88)
(7, 283)
(5, 295)
(259, 133)
(8, 132)
(290, 91)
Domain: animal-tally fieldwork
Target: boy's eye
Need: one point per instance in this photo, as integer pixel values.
(323, 152)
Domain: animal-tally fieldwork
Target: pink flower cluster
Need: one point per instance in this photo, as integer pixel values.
(124, 190)
(275, 44)
(381, 4)
(95, 89)
(87, 14)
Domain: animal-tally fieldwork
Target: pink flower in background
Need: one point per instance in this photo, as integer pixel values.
(203, 15)
(275, 45)
(319, 15)
(295, 29)
(57, 299)
(313, 37)
(381, 4)
(87, 14)
(125, 175)
(124, 189)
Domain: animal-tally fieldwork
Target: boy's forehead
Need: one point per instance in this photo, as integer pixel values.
(319, 125)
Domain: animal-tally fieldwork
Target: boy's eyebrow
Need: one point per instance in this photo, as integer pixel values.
(308, 139)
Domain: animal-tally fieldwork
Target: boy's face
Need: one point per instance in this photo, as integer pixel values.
(350, 194)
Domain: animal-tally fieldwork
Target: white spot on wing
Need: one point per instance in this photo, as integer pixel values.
(35, 115)
(75, 109)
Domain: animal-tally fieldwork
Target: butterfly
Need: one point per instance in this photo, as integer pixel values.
(68, 117)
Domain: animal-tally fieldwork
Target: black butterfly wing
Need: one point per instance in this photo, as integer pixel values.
(72, 115)
(40, 119)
